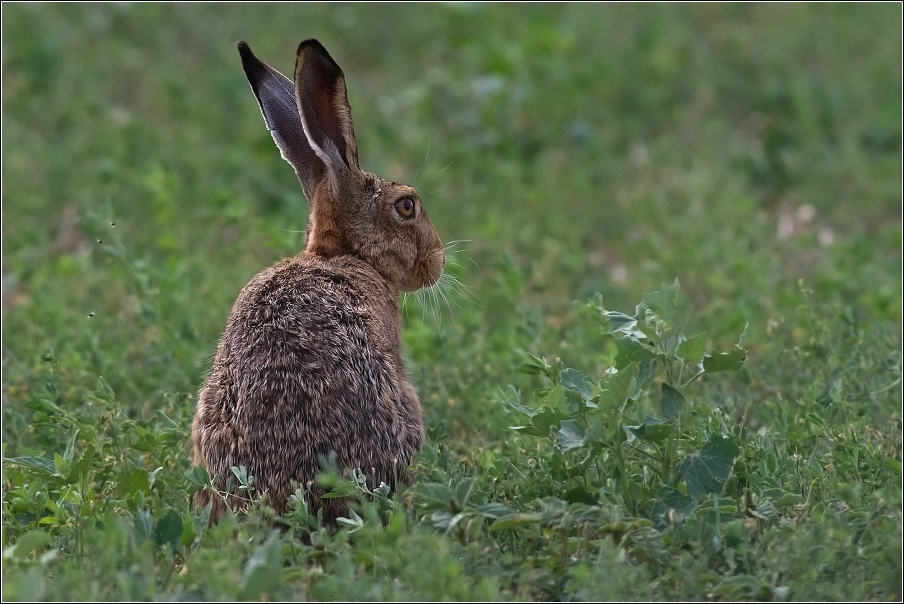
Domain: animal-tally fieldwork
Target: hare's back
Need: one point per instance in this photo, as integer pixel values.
(308, 365)
(315, 323)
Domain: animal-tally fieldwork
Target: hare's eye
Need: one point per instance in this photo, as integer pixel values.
(405, 207)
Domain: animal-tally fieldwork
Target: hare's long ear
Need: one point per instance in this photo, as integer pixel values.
(325, 112)
(276, 96)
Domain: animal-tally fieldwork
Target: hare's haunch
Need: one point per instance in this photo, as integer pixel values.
(309, 366)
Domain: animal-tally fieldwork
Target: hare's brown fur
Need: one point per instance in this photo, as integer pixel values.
(309, 366)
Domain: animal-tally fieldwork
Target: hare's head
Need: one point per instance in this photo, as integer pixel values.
(352, 212)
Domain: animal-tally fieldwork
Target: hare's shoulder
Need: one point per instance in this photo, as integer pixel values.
(312, 295)
(302, 326)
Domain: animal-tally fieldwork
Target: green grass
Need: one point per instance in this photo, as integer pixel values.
(753, 152)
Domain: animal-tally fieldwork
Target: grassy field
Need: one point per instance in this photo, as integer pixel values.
(596, 429)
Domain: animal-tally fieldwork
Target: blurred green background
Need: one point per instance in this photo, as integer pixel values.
(752, 151)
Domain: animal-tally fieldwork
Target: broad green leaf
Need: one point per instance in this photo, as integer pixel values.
(634, 432)
(169, 529)
(572, 379)
(165, 420)
(82, 466)
(552, 508)
(648, 545)
(764, 510)
(652, 429)
(29, 542)
(45, 405)
(353, 523)
(645, 372)
(463, 490)
(707, 471)
(618, 387)
(631, 351)
(40, 463)
(434, 492)
(494, 510)
(446, 521)
(621, 323)
(708, 507)
(577, 391)
(579, 494)
(555, 398)
(595, 434)
(657, 430)
(724, 361)
(737, 587)
(663, 302)
(576, 404)
(723, 504)
(816, 419)
(672, 402)
(134, 481)
(528, 411)
(515, 520)
(547, 419)
(60, 464)
(569, 436)
(647, 331)
(69, 452)
(198, 477)
(692, 348)
(241, 473)
(202, 520)
(671, 347)
(189, 533)
(616, 528)
(143, 526)
(529, 430)
(534, 366)
(104, 391)
(789, 499)
(542, 422)
(329, 478)
(836, 392)
(671, 505)
(263, 571)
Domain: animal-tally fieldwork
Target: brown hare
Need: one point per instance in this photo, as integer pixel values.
(309, 366)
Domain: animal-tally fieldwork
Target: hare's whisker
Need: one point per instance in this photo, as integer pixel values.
(405, 307)
(419, 299)
(463, 290)
(451, 245)
(445, 298)
(436, 312)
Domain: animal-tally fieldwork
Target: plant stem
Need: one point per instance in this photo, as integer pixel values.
(620, 460)
(694, 377)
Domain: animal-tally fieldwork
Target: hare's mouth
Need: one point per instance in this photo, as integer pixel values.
(427, 272)
(433, 279)
(437, 262)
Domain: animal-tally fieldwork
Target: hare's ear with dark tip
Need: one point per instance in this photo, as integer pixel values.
(276, 96)
(325, 112)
